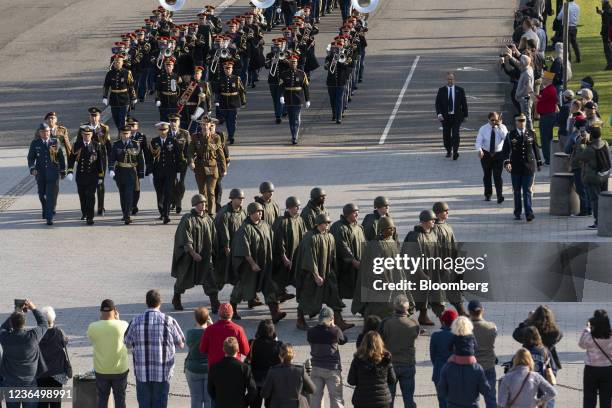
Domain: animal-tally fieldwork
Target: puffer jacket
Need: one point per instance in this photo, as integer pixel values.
(371, 382)
(586, 155)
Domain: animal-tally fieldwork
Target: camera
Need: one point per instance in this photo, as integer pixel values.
(20, 304)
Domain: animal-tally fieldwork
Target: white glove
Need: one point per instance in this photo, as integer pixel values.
(194, 117)
(100, 181)
(105, 101)
(440, 117)
(279, 10)
(151, 178)
(307, 104)
(70, 177)
(158, 104)
(111, 173)
(135, 101)
(216, 103)
(178, 176)
(282, 100)
(198, 112)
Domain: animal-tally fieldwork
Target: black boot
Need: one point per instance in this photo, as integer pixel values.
(176, 302)
(301, 321)
(275, 313)
(236, 316)
(460, 309)
(214, 303)
(339, 321)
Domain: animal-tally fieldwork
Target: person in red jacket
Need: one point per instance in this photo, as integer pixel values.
(547, 109)
(215, 335)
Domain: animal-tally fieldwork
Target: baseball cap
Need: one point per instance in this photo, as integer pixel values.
(474, 305)
(107, 305)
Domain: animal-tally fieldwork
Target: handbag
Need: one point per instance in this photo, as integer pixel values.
(513, 400)
(67, 363)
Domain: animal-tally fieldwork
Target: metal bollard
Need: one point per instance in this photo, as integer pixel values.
(604, 221)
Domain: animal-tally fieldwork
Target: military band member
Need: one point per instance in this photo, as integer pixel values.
(164, 169)
(275, 65)
(316, 282)
(337, 78)
(125, 167)
(194, 254)
(252, 263)
(183, 139)
(314, 207)
(522, 160)
(138, 137)
(370, 222)
(87, 161)
(198, 100)
(47, 164)
(119, 91)
(294, 86)
(167, 90)
(227, 221)
(229, 97)
(271, 210)
(350, 243)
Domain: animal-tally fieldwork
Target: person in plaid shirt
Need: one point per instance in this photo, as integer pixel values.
(153, 338)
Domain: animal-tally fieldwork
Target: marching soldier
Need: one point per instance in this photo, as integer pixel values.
(337, 78)
(141, 66)
(125, 166)
(194, 101)
(227, 222)
(350, 243)
(287, 230)
(206, 158)
(370, 222)
(87, 161)
(60, 133)
(47, 164)
(141, 139)
(223, 167)
(275, 65)
(229, 97)
(119, 91)
(164, 169)
(101, 135)
(315, 206)
(167, 90)
(294, 86)
(194, 253)
(252, 263)
(183, 139)
(271, 210)
(316, 282)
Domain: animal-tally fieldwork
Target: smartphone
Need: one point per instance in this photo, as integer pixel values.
(20, 304)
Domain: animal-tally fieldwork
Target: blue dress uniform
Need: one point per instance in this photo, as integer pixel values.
(165, 167)
(120, 92)
(230, 95)
(167, 91)
(87, 162)
(336, 85)
(522, 153)
(47, 159)
(102, 136)
(294, 85)
(126, 160)
(273, 83)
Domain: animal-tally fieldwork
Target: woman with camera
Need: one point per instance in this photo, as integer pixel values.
(596, 339)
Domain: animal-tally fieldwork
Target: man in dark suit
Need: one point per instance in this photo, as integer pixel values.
(230, 382)
(522, 159)
(452, 110)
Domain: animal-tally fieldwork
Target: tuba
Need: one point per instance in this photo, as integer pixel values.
(263, 4)
(172, 5)
(364, 6)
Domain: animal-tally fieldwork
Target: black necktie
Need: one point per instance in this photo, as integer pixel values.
(451, 105)
(492, 142)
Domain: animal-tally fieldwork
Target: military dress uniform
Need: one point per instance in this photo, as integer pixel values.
(60, 133)
(294, 86)
(230, 95)
(87, 162)
(183, 140)
(522, 153)
(273, 84)
(199, 98)
(167, 93)
(126, 161)
(47, 158)
(208, 158)
(120, 93)
(336, 86)
(165, 167)
(141, 139)
(101, 134)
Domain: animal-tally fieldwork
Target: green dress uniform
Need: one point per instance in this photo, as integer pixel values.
(208, 156)
(271, 210)
(350, 243)
(370, 223)
(310, 212)
(194, 232)
(254, 240)
(288, 232)
(447, 245)
(183, 140)
(227, 222)
(60, 133)
(317, 253)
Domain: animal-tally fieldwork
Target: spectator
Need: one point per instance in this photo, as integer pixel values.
(606, 31)
(588, 83)
(265, 353)
(399, 332)
(529, 33)
(21, 358)
(585, 94)
(53, 352)
(461, 383)
(110, 354)
(564, 115)
(286, 384)
(485, 334)
(542, 40)
(521, 387)
(578, 137)
(541, 355)
(543, 319)
(324, 340)
(547, 109)
(215, 335)
(558, 69)
(525, 89)
(596, 339)
(153, 338)
(463, 343)
(372, 373)
(512, 69)
(573, 19)
(196, 363)
(592, 115)
(230, 383)
(440, 346)
(370, 323)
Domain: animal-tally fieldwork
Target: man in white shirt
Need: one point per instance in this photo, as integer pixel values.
(573, 12)
(490, 143)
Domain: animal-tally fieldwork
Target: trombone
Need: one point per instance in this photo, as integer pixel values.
(279, 55)
(163, 54)
(339, 58)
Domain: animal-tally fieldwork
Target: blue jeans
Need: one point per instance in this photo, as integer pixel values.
(276, 92)
(547, 121)
(585, 204)
(522, 183)
(294, 113)
(336, 100)
(198, 389)
(152, 394)
(119, 114)
(491, 397)
(405, 375)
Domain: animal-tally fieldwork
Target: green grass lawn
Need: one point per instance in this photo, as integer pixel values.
(593, 59)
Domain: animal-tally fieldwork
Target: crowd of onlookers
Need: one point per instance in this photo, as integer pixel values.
(538, 93)
(223, 368)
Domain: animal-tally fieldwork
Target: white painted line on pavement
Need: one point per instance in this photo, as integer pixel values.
(398, 103)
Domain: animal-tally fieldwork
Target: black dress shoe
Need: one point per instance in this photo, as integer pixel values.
(517, 217)
(166, 220)
(294, 141)
(232, 141)
(101, 211)
(530, 217)
(455, 156)
(134, 210)
(178, 210)
(487, 198)
(278, 121)
(161, 217)
(338, 122)
(500, 199)
(127, 221)
(448, 154)
(82, 217)
(90, 222)
(49, 222)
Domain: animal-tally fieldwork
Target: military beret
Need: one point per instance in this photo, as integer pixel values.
(254, 207)
(322, 219)
(49, 114)
(93, 110)
(427, 215)
(197, 199)
(440, 207)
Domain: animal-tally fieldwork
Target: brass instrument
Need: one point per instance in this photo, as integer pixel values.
(172, 5)
(364, 6)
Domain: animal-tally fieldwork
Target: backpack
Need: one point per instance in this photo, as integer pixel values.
(603, 160)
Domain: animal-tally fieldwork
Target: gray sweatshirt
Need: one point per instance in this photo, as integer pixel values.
(511, 384)
(525, 83)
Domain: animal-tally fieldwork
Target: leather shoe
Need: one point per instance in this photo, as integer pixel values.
(487, 198)
(166, 220)
(530, 217)
(500, 199)
(455, 156)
